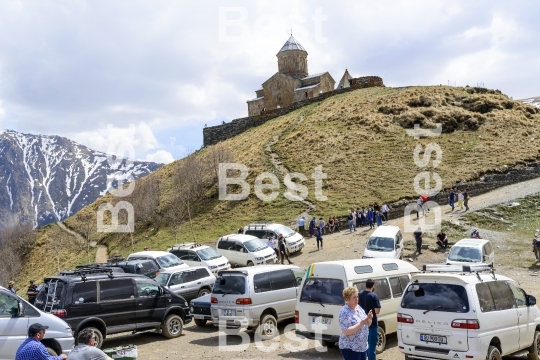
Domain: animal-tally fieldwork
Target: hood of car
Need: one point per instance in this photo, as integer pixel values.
(202, 301)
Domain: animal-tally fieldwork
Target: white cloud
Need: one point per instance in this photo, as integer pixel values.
(160, 156)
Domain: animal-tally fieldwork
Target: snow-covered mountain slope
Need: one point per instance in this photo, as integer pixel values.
(44, 179)
(534, 101)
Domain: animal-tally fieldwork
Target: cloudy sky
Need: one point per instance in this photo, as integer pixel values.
(151, 74)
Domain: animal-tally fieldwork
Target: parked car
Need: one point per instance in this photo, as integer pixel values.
(385, 242)
(263, 230)
(321, 297)
(190, 283)
(200, 309)
(466, 312)
(141, 267)
(200, 255)
(467, 251)
(245, 250)
(256, 297)
(110, 303)
(163, 259)
(16, 315)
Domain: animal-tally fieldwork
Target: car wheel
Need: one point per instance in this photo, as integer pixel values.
(381, 340)
(250, 263)
(534, 350)
(200, 322)
(328, 343)
(98, 335)
(51, 351)
(172, 327)
(268, 327)
(203, 292)
(493, 353)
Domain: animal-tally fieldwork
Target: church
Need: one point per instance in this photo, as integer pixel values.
(291, 83)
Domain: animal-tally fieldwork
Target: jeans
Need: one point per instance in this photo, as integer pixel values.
(451, 205)
(373, 338)
(348, 354)
(351, 225)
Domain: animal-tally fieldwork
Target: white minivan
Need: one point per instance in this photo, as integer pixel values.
(263, 230)
(200, 255)
(245, 250)
(475, 251)
(385, 242)
(163, 259)
(16, 315)
(466, 312)
(321, 297)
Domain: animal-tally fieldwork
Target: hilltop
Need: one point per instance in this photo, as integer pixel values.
(360, 140)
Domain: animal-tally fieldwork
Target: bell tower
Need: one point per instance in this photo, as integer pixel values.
(292, 59)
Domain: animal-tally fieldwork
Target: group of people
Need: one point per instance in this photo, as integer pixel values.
(461, 197)
(31, 293)
(375, 214)
(33, 349)
(279, 247)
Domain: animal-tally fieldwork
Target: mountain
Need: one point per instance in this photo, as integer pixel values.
(44, 179)
(534, 101)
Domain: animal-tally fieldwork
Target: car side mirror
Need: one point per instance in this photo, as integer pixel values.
(531, 300)
(20, 309)
(397, 246)
(171, 283)
(485, 258)
(161, 291)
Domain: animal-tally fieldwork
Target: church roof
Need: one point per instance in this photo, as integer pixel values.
(292, 44)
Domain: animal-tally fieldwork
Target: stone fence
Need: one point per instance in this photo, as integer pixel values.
(214, 134)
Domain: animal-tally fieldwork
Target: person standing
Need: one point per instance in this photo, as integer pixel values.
(370, 217)
(385, 209)
(378, 218)
(283, 249)
(419, 207)
(350, 219)
(32, 348)
(369, 302)
(466, 199)
(536, 248)
(32, 292)
(354, 323)
(460, 199)
(272, 245)
(312, 227)
(11, 287)
(322, 225)
(363, 217)
(451, 199)
(302, 225)
(318, 237)
(418, 237)
(87, 350)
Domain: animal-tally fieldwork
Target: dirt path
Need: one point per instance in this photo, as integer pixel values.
(204, 343)
(101, 254)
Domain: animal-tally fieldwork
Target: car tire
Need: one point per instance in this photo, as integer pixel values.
(329, 344)
(203, 292)
(534, 350)
(50, 351)
(99, 337)
(268, 327)
(381, 340)
(493, 354)
(172, 326)
(250, 263)
(200, 322)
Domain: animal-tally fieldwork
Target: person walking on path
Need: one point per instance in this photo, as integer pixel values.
(283, 249)
(32, 292)
(322, 225)
(419, 207)
(370, 217)
(451, 199)
(271, 244)
(302, 226)
(378, 218)
(460, 199)
(369, 302)
(385, 209)
(32, 348)
(466, 199)
(418, 237)
(312, 227)
(318, 237)
(350, 219)
(354, 324)
(87, 350)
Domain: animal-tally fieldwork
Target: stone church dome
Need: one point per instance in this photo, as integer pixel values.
(292, 44)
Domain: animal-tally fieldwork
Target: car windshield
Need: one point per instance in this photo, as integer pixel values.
(255, 245)
(436, 297)
(380, 244)
(208, 254)
(466, 254)
(323, 291)
(168, 261)
(162, 279)
(235, 285)
(285, 231)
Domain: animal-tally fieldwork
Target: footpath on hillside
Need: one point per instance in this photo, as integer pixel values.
(101, 253)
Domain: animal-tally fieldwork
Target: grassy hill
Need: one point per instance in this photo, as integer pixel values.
(359, 138)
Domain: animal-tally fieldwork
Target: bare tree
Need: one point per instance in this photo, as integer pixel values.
(15, 244)
(61, 243)
(218, 154)
(145, 199)
(87, 226)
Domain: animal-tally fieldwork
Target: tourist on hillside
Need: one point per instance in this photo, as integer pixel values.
(425, 199)
(363, 217)
(475, 234)
(442, 240)
(370, 217)
(378, 218)
(322, 225)
(536, 248)
(331, 226)
(460, 199)
(419, 207)
(336, 223)
(350, 219)
(466, 199)
(385, 209)
(318, 237)
(418, 238)
(357, 217)
(312, 227)
(241, 230)
(302, 225)
(451, 199)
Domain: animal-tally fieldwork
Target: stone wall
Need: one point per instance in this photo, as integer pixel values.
(214, 134)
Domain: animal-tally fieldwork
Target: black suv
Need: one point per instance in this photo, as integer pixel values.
(111, 303)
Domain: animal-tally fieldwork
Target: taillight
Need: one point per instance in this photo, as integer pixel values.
(403, 318)
(213, 300)
(243, 301)
(296, 317)
(466, 324)
(59, 312)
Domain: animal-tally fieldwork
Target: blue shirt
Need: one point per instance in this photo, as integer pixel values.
(301, 222)
(359, 340)
(31, 349)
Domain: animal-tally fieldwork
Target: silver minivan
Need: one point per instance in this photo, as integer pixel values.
(16, 315)
(256, 297)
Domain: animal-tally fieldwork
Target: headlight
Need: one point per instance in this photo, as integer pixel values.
(186, 303)
(191, 308)
(259, 258)
(213, 267)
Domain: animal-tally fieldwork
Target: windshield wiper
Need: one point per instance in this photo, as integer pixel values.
(435, 308)
(319, 301)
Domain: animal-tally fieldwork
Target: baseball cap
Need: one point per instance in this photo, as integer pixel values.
(35, 328)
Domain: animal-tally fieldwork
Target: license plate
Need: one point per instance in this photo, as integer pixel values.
(199, 317)
(433, 338)
(229, 312)
(321, 320)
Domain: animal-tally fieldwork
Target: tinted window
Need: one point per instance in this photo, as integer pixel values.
(85, 292)
(519, 295)
(395, 284)
(116, 289)
(321, 290)
(147, 289)
(235, 284)
(382, 288)
(223, 244)
(257, 233)
(484, 297)
(148, 266)
(190, 276)
(502, 295)
(162, 279)
(168, 261)
(261, 283)
(179, 253)
(41, 298)
(9, 306)
(390, 266)
(282, 279)
(363, 269)
(178, 278)
(436, 297)
(202, 273)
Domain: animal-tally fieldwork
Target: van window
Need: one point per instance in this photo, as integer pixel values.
(208, 254)
(363, 269)
(322, 290)
(41, 299)
(257, 233)
(202, 273)
(519, 295)
(436, 297)
(398, 284)
(484, 297)
(489, 248)
(390, 266)
(147, 288)
(502, 295)
(234, 284)
(116, 289)
(85, 292)
(282, 279)
(382, 288)
(223, 244)
(169, 260)
(261, 283)
(255, 245)
(9, 306)
(458, 253)
(179, 253)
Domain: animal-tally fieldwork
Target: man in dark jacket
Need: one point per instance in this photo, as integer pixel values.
(32, 292)
(369, 301)
(282, 249)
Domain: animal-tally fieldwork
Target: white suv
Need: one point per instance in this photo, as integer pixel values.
(293, 241)
(478, 251)
(245, 250)
(200, 255)
(466, 312)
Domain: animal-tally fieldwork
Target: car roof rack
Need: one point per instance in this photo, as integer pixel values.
(259, 224)
(82, 272)
(476, 269)
(185, 245)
